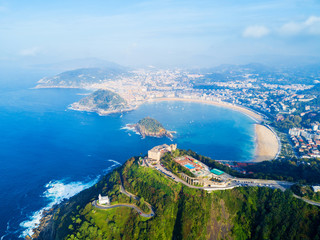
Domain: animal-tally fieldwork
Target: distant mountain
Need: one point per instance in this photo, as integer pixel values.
(102, 102)
(80, 63)
(81, 78)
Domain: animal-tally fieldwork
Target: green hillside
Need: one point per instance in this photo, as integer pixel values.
(83, 76)
(151, 125)
(182, 212)
(104, 99)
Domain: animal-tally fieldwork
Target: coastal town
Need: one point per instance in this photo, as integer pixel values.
(306, 141)
(268, 98)
(286, 128)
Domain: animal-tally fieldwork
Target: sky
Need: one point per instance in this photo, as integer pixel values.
(160, 33)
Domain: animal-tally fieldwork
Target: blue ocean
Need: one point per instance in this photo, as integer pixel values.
(49, 153)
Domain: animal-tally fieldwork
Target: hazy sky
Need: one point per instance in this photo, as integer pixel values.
(193, 33)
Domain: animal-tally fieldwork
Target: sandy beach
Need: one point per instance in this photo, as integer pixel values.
(257, 117)
(267, 145)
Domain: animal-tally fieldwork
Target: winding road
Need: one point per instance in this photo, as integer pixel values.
(104, 207)
(130, 195)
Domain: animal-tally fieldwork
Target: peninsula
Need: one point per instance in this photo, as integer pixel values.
(178, 194)
(150, 127)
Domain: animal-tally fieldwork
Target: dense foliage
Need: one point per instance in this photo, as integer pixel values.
(167, 161)
(104, 99)
(307, 171)
(290, 121)
(184, 213)
(306, 192)
(151, 125)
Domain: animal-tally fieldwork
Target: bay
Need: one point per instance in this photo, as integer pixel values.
(48, 153)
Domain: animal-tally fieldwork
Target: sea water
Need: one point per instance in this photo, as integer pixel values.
(49, 153)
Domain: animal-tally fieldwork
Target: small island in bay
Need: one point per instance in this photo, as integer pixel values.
(151, 127)
(102, 102)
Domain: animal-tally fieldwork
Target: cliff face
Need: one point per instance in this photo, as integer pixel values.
(152, 128)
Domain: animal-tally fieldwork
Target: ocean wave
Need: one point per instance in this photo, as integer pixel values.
(127, 127)
(7, 232)
(116, 163)
(132, 129)
(56, 192)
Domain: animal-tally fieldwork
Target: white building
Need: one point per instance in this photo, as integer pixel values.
(314, 127)
(104, 200)
(316, 188)
(295, 131)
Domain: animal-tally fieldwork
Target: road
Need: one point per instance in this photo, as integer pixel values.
(177, 179)
(239, 182)
(95, 204)
(308, 201)
(130, 195)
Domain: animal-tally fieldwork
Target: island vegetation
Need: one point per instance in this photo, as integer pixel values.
(151, 127)
(101, 101)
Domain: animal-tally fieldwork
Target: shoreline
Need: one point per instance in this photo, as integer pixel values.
(255, 116)
(267, 145)
(266, 141)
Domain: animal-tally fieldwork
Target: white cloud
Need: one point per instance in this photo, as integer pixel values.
(30, 51)
(2, 8)
(310, 26)
(256, 31)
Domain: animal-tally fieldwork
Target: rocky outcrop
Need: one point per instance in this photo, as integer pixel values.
(151, 127)
(46, 220)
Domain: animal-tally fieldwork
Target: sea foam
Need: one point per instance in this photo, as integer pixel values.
(56, 192)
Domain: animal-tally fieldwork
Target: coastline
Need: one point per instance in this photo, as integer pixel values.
(266, 141)
(255, 116)
(267, 145)
(100, 112)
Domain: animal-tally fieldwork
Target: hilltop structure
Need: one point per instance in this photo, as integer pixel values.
(203, 175)
(157, 152)
(104, 200)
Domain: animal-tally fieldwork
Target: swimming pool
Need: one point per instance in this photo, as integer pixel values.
(188, 165)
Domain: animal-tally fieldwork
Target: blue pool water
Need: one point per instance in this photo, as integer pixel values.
(188, 165)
